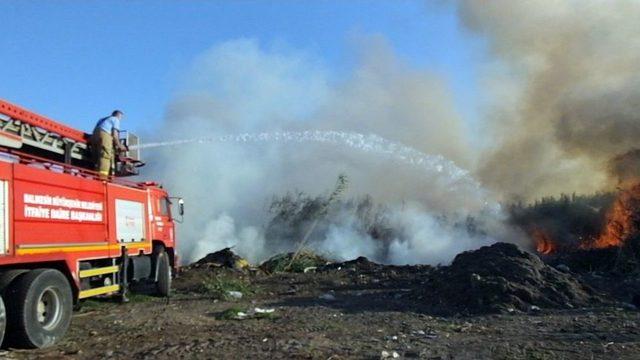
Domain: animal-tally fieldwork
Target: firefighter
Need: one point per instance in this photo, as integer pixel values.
(106, 137)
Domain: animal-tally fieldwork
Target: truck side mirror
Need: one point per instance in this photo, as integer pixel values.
(181, 207)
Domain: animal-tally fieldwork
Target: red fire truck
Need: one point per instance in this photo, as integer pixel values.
(65, 234)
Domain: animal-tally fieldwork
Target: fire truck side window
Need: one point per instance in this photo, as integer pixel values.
(164, 206)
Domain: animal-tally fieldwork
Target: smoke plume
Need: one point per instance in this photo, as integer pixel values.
(564, 90)
(561, 113)
(241, 87)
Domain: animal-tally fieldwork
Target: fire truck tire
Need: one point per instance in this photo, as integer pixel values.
(163, 283)
(3, 319)
(40, 309)
(8, 276)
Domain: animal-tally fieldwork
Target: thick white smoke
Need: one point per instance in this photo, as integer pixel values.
(240, 87)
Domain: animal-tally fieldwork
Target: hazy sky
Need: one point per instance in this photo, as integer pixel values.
(75, 61)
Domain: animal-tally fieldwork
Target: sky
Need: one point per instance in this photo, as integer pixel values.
(76, 61)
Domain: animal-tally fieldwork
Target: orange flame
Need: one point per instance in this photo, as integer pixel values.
(544, 244)
(622, 220)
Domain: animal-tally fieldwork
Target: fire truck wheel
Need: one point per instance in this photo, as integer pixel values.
(3, 320)
(39, 312)
(7, 277)
(163, 284)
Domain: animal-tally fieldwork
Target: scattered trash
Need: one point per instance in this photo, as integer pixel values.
(238, 314)
(290, 291)
(389, 355)
(327, 297)
(227, 287)
(234, 295)
(466, 326)
(360, 264)
(241, 315)
(264, 311)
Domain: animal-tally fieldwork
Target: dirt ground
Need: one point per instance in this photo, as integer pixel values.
(363, 311)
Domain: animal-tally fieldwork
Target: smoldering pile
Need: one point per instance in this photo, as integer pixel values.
(345, 228)
(493, 279)
(295, 214)
(502, 278)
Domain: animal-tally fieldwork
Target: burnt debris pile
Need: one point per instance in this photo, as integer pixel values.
(623, 260)
(360, 265)
(223, 258)
(501, 278)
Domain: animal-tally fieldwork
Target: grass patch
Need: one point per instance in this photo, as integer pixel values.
(140, 298)
(284, 263)
(219, 287)
(92, 304)
(534, 354)
(269, 315)
(104, 302)
(230, 314)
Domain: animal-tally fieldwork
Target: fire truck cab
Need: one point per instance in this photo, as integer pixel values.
(65, 234)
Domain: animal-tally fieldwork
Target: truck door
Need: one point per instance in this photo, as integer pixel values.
(4, 216)
(6, 174)
(129, 214)
(129, 221)
(162, 225)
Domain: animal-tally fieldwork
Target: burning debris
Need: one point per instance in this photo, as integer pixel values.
(577, 224)
(563, 224)
(596, 237)
(501, 278)
(623, 221)
(544, 243)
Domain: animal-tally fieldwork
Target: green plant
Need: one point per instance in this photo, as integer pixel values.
(268, 315)
(220, 286)
(230, 313)
(287, 262)
(136, 297)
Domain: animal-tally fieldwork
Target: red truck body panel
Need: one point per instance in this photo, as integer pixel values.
(53, 212)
